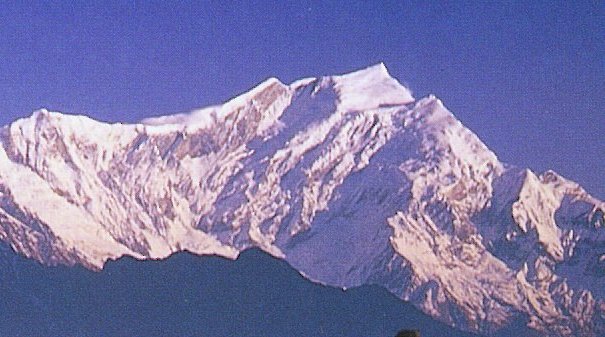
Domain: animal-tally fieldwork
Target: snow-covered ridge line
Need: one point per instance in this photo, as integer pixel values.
(348, 178)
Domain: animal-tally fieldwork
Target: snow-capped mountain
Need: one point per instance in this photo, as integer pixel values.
(349, 179)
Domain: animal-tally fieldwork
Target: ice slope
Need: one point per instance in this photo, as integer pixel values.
(348, 178)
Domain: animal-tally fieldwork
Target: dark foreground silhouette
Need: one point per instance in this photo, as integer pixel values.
(408, 333)
(188, 295)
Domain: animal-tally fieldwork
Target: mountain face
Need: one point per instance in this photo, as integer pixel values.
(349, 179)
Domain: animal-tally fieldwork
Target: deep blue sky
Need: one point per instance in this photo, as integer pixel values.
(528, 77)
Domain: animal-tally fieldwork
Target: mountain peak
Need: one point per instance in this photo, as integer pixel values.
(370, 88)
(378, 70)
(341, 176)
(35, 117)
(40, 112)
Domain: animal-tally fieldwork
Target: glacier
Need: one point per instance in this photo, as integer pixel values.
(350, 179)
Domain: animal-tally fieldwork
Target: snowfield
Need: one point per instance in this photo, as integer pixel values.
(348, 178)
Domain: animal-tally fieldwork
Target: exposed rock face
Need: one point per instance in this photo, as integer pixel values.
(347, 178)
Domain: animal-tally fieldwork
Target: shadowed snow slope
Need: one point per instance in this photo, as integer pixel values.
(347, 178)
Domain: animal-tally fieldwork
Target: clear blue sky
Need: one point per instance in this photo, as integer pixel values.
(528, 77)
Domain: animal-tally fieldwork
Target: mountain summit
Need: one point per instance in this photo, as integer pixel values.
(348, 178)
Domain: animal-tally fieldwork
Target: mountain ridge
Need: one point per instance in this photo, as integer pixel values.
(187, 295)
(348, 178)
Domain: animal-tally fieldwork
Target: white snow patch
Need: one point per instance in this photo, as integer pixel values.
(370, 88)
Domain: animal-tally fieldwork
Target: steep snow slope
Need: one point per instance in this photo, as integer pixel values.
(347, 178)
